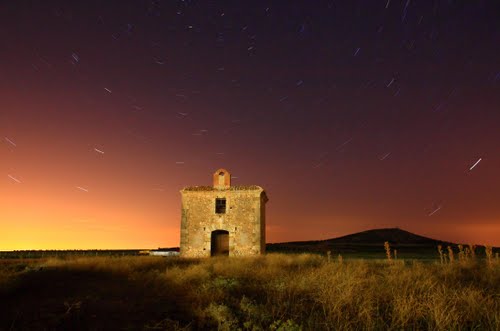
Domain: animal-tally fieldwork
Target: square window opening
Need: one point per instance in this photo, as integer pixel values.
(220, 206)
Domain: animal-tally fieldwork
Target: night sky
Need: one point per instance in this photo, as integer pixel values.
(352, 115)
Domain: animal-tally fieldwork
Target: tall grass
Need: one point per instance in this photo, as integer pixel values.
(300, 292)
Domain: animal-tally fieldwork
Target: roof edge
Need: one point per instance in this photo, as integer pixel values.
(230, 188)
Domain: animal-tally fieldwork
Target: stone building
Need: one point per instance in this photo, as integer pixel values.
(223, 219)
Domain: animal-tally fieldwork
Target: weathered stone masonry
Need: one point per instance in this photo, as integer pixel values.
(223, 219)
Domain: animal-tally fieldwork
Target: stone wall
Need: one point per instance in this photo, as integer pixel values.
(244, 219)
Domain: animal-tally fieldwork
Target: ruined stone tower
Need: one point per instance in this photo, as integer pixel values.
(223, 219)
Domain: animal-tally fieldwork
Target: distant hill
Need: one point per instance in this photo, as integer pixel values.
(368, 243)
(392, 235)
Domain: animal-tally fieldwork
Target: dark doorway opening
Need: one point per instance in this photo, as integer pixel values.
(219, 243)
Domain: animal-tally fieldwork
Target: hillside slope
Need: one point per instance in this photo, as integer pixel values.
(368, 243)
(392, 235)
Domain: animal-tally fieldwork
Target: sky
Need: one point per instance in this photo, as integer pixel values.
(352, 115)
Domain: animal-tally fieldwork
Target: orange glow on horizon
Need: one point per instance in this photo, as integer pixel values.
(107, 111)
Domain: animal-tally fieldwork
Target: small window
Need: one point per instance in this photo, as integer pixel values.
(220, 206)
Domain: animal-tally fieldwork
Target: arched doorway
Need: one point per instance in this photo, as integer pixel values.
(219, 243)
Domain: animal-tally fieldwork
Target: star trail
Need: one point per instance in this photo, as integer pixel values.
(352, 115)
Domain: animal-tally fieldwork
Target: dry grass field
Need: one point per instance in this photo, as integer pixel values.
(272, 292)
